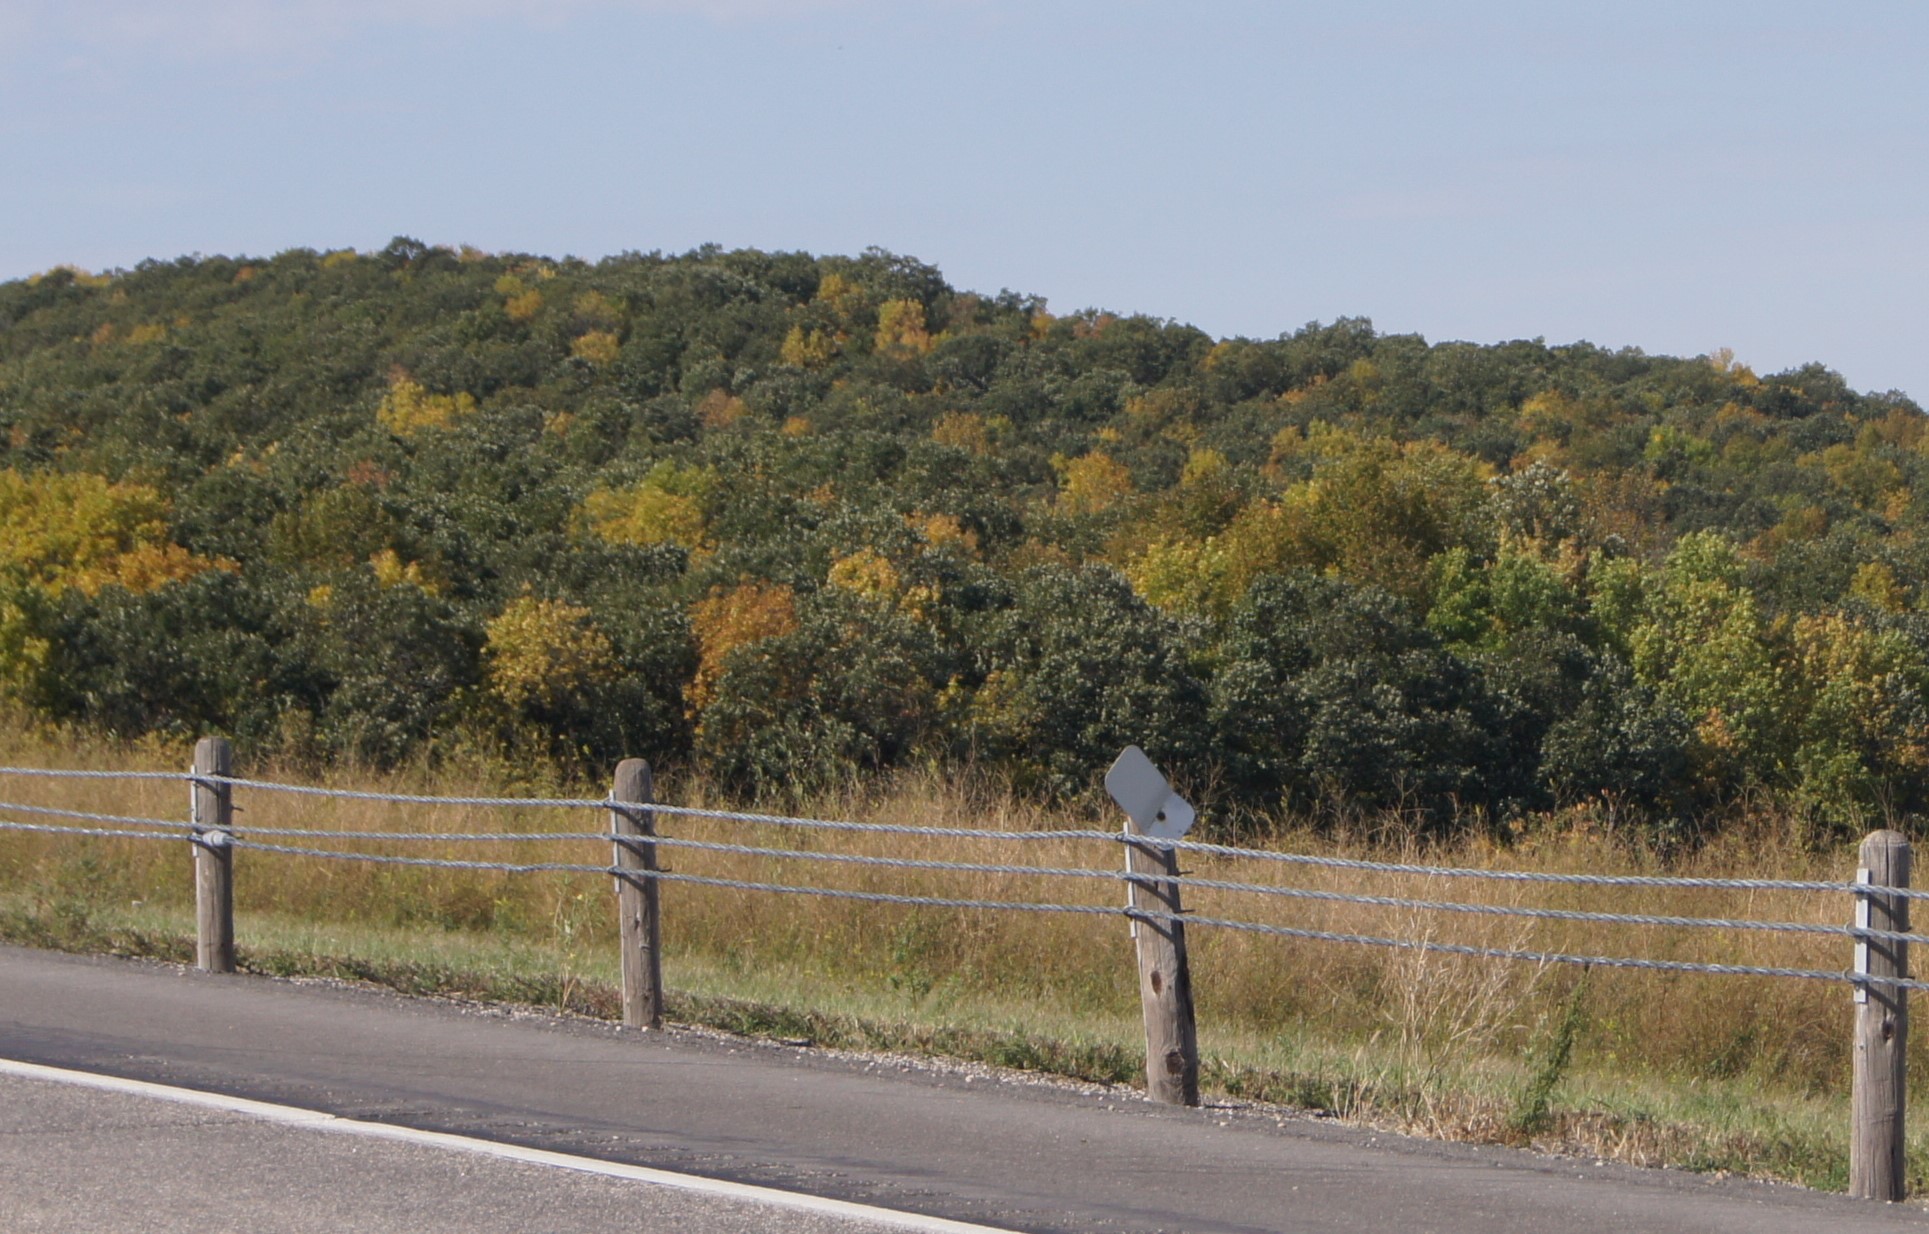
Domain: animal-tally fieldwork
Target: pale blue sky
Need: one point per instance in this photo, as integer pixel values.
(1678, 177)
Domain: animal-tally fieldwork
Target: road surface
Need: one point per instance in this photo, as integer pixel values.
(80, 1157)
(1005, 1153)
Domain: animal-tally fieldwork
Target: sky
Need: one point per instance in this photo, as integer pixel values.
(1678, 177)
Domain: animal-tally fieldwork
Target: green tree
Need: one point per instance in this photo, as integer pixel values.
(1076, 669)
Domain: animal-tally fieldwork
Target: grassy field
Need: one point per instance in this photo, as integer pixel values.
(1716, 1073)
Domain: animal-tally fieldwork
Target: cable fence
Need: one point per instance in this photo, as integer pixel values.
(1066, 873)
(1063, 873)
(268, 838)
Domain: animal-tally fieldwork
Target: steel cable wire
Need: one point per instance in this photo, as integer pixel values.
(173, 829)
(876, 897)
(1184, 881)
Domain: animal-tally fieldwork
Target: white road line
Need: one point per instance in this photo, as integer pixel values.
(317, 1120)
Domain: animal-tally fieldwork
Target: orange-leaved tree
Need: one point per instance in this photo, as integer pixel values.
(730, 618)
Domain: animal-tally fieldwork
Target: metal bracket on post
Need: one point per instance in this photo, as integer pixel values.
(1862, 922)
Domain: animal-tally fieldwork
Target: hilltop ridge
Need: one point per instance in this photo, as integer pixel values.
(790, 519)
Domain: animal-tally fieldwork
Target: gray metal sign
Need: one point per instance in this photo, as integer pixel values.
(1147, 799)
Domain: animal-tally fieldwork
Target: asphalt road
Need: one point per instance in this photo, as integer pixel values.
(78, 1159)
(1001, 1152)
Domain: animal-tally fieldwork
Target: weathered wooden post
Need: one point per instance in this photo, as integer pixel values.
(1154, 813)
(1881, 1024)
(636, 894)
(212, 816)
(1165, 976)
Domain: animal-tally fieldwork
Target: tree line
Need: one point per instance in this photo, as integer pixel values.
(790, 520)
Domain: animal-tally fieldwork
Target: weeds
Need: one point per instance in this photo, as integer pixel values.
(1753, 1081)
(1530, 1116)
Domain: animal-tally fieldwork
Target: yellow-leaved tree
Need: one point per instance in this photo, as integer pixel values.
(842, 297)
(542, 655)
(1183, 575)
(962, 430)
(1857, 691)
(408, 407)
(666, 508)
(1091, 483)
(867, 573)
(62, 530)
(595, 309)
(391, 570)
(809, 349)
(1876, 584)
(870, 574)
(599, 347)
(901, 331)
(942, 531)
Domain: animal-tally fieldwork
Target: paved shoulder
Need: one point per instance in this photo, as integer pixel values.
(1024, 1156)
(81, 1158)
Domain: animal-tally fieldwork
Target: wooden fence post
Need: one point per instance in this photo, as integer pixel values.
(1881, 1025)
(1165, 979)
(213, 816)
(636, 897)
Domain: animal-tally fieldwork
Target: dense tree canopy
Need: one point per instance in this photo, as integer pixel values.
(793, 519)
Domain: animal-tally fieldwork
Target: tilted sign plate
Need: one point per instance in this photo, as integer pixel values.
(1142, 792)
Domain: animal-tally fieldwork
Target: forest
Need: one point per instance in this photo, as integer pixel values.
(786, 521)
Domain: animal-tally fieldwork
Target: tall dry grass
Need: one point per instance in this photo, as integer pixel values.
(1446, 1044)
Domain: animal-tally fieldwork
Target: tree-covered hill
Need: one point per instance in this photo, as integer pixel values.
(789, 519)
